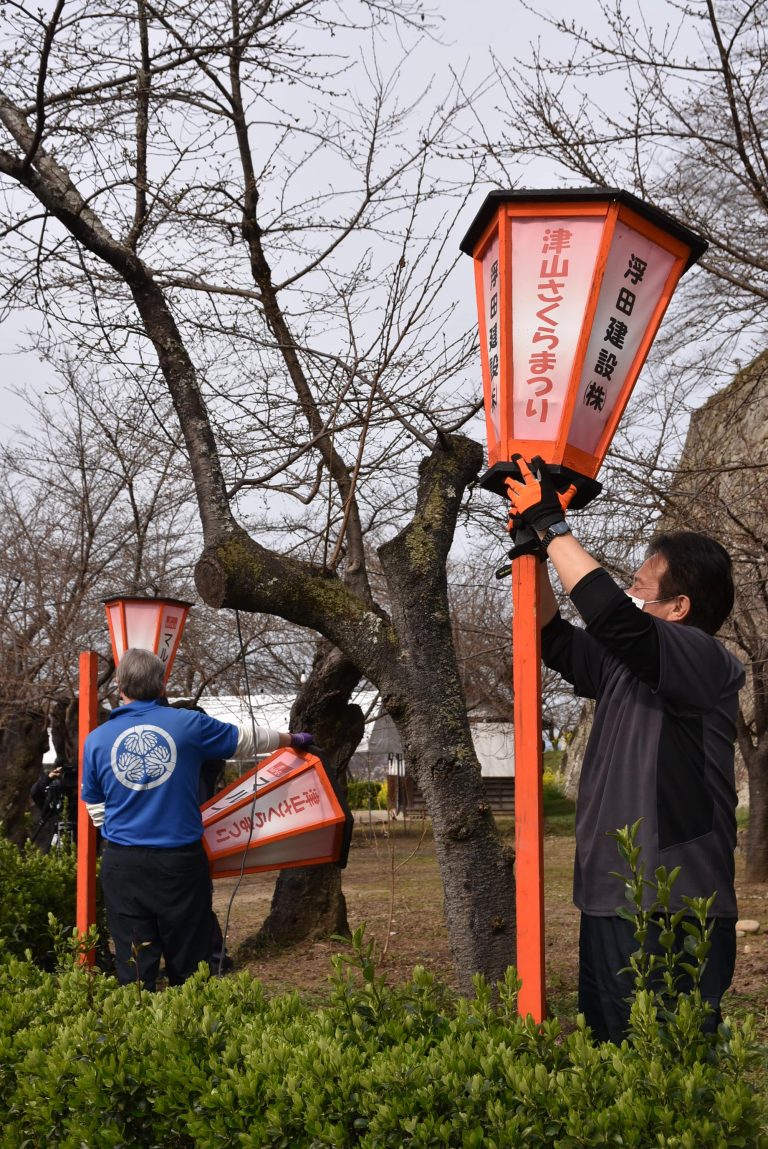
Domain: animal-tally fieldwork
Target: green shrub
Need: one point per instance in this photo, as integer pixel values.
(32, 886)
(215, 1064)
(559, 811)
(362, 794)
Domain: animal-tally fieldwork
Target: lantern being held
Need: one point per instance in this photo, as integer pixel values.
(571, 288)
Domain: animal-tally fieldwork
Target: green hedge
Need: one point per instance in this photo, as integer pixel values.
(362, 795)
(215, 1063)
(32, 886)
(38, 895)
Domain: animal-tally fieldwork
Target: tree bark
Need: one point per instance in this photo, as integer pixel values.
(23, 742)
(425, 699)
(757, 832)
(308, 901)
(410, 658)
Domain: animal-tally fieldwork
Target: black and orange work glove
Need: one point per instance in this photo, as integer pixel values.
(534, 498)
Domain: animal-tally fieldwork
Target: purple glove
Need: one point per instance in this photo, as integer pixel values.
(301, 741)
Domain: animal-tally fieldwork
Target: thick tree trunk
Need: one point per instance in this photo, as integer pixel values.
(476, 868)
(410, 658)
(757, 833)
(308, 901)
(425, 698)
(64, 729)
(23, 742)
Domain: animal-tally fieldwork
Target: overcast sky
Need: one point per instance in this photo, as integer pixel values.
(469, 30)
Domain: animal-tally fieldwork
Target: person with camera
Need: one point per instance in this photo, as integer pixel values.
(661, 748)
(140, 782)
(55, 795)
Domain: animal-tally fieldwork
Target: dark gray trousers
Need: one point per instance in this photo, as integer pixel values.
(158, 904)
(605, 946)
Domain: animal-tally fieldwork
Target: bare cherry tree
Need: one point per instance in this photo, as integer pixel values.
(227, 193)
(80, 520)
(87, 514)
(671, 104)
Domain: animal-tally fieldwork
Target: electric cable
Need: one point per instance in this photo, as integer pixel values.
(252, 818)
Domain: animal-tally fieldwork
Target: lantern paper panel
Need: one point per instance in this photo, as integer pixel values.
(171, 626)
(285, 812)
(276, 766)
(155, 624)
(491, 342)
(636, 274)
(553, 263)
(116, 623)
(315, 846)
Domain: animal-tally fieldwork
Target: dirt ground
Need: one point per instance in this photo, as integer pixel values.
(392, 884)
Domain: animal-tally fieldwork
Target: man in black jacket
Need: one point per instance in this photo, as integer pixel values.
(661, 747)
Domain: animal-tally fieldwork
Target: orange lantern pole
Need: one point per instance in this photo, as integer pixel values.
(571, 288)
(86, 831)
(529, 805)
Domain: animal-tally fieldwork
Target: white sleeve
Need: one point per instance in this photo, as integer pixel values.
(266, 740)
(96, 812)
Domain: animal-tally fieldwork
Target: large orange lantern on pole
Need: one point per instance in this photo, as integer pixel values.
(571, 288)
(155, 624)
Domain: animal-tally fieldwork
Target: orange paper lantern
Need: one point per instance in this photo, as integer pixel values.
(155, 624)
(287, 811)
(571, 288)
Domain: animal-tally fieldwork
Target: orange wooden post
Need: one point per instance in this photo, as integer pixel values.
(529, 815)
(86, 831)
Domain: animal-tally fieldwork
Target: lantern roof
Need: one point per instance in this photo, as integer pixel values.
(147, 598)
(654, 215)
(155, 624)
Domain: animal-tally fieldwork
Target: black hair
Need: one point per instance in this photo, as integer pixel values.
(700, 568)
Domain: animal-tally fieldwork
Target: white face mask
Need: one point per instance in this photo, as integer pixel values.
(641, 602)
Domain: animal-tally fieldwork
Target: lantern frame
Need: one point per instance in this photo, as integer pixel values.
(169, 610)
(493, 221)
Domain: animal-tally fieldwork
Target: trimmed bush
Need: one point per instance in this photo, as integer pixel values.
(361, 795)
(212, 1063)
(215, 1064)
(32, 886)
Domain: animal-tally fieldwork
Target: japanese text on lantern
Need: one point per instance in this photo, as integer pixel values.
(492, 335)
(286, 810)
(616, 333)
(542, 362)
(636, 272)
(282, 764)
(553, 260)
